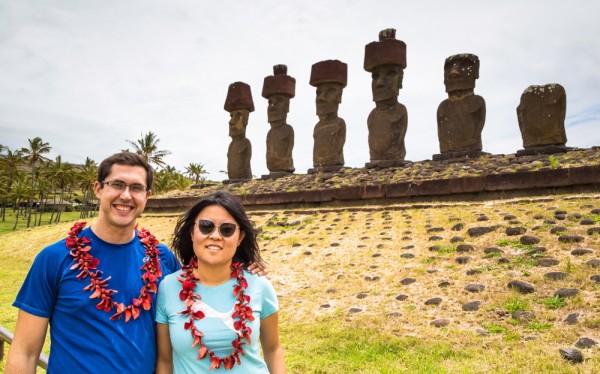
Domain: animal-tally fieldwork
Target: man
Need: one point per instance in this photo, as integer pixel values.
(97, 296)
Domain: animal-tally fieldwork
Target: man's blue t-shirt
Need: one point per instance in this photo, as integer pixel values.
(83, 339)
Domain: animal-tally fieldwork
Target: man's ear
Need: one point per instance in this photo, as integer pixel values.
(97, 188)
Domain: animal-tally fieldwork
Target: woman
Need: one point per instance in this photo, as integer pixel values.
(213, 314)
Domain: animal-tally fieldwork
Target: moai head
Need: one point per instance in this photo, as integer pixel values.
(460, 72)
(330, 78)
(386, 61)
(278, 88)
(239, 104)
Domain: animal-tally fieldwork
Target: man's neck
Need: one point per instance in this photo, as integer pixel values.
(112, 234)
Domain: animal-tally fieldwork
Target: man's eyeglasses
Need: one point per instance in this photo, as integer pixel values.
(135, 188)
(207, 227)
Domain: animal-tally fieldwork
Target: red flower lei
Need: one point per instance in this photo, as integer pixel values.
(80, 251)
(242, 312)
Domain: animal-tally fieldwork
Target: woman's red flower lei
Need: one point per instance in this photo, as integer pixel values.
(241, 311)
(88, 264)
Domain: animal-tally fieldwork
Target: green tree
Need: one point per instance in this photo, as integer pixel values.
(86, 176)
(147, 146)
(20, 192)
(62, 177)
(34, 155)
(169, 179)
(196, 172)
(10, 171)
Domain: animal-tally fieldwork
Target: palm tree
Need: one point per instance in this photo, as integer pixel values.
(169, 179)
(34, 155)
(147, 146)
(195, 171)
(4, 194)
(10, 172)
(10, 164)
(19, 193)
(62, 177)
(85, 178)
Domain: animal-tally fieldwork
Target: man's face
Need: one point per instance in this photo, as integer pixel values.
(459, 74)
(120, 209)
(329, 96)
(238, 122)
(278, 107)
(387, 82)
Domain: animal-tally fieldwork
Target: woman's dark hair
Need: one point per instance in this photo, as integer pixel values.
(247, 252)
(129, 159)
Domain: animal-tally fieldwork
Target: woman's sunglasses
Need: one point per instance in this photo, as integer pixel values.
(207, 227)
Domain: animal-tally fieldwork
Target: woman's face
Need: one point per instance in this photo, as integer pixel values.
(214, 248)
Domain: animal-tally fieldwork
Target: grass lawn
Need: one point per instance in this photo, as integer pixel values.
(7, 225)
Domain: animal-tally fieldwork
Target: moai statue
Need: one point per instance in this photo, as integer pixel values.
(239, 104)
(460, 118)
(279, 88)
(386, 61)
(541, 115)
(329, 77)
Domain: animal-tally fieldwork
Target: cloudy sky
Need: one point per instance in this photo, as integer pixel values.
(86, 76)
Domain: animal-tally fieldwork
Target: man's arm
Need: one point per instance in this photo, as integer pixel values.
(257, 269)
(27, 344)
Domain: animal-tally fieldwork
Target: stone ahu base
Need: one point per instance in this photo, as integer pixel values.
(325, 169)
(275, 175)
(458, 155)
(543, 150)
(386, 163)
(235, 181)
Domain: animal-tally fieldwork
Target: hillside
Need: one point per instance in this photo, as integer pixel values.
(488, 274)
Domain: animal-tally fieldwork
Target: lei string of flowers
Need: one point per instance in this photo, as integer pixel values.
(88, 265)
(242, 313)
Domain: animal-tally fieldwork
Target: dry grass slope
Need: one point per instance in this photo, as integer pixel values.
(406, 269)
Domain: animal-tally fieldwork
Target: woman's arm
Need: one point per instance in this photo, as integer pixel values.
(164, 360)
(271, 346)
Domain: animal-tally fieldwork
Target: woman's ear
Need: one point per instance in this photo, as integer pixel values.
(242, 235)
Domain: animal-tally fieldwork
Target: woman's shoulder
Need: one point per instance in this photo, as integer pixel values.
(257, 280)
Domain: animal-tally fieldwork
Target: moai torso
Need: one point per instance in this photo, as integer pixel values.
(239, 154)
(280, 142)
(460, 123)
(329, 136)
(541, 115)
(387, 128)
